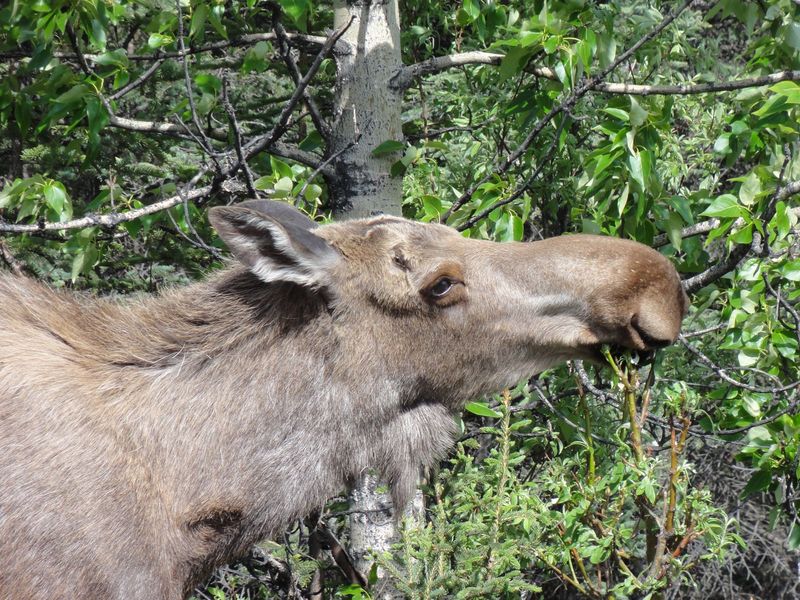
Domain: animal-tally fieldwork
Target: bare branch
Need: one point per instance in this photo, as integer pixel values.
(267, 140)
(248, 39)
(662, 239)
(321, 168)
(148, 73)
(294, 71)
(262, 143)
(237, 136)
(202, 140)
(12, 261)
(710, 275)
(405, 77)
(277, 148)
(722, 373)
(110, 219)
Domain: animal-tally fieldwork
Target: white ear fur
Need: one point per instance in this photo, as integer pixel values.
(275, 250)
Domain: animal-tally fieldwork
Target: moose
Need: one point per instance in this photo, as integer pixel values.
(145, 442)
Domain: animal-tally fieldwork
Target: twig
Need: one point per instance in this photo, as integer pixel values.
(237, 137)
(110, 219)
(765, 421)
(724, 267)
(253, 148)
(782, 302)
(12, 261)
(324, 164)
(713, 273)
(286, 52)
(721, 373)
(266, 141)
(151, 70)
(247, 39)
(543, 161)
(204, 141)
(277, 148)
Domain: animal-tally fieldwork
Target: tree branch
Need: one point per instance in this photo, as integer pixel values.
(220, 134)
(710, 275)
(267, 140)
(405, 77)
(294, 72)
(110, 219)
(244, 40)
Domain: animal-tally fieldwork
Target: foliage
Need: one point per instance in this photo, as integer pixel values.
(531, 499)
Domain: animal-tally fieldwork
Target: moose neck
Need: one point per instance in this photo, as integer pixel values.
(223, 389)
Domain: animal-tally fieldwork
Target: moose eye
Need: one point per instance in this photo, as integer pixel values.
(441, 287)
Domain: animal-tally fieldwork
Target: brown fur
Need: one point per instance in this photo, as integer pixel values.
(144, 443)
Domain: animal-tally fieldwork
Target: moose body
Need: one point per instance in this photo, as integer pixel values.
(144, 443)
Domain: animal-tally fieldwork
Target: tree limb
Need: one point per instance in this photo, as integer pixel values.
(110, 219)
(710, 275)
(405, 77)
(220, 134)
(260, 144)
(243, 40)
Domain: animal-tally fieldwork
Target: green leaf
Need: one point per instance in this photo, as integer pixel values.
(750, 187)
(794, 536)
(215, 18)
(638, 114)
(635, 169)
(674, 227)
(759, 481)
(159, 40)
(725, 205)
(54, 197)
(297, 11)
(280, 168)
(792, 35)
(117, 58)
(73, 94)
(283, 187)
(313, 191)
(263, 183)
(208, 83)
(723, 144)
(311, 142)
(472, 9)
(617, 113)
(198, 20)
(789, 89)
(482, 410)
(388, 147)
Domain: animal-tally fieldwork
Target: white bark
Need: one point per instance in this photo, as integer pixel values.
(366, 108)
(372, 528)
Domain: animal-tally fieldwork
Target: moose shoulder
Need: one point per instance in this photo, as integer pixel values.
(145, 443)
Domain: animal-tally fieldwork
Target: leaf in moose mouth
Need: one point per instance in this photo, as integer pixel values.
(617, 355)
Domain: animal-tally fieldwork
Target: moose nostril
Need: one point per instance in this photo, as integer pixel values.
(648, 340)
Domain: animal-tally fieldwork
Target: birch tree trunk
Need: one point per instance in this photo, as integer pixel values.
(367, 113)
(366, 109)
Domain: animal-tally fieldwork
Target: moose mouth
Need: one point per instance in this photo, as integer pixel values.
(634, 342)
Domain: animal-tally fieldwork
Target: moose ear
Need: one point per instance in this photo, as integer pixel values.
(275, 242)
